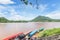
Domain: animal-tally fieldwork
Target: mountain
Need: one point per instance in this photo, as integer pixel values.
(44, 19)
(2, 19)
(37, 19)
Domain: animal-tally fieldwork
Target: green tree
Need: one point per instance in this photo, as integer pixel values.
(27, 2)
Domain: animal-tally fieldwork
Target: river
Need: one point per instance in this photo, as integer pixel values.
(7, 29)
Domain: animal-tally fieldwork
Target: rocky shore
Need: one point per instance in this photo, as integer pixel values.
(54, 37)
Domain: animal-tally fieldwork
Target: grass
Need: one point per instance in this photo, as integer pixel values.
(49, 32)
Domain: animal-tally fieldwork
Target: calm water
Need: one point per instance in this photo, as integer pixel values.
(7, 29)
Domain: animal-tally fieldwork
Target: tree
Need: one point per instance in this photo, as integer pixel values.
(27, 2)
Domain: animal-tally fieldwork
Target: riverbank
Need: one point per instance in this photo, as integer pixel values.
(54, 37)
(7, 29)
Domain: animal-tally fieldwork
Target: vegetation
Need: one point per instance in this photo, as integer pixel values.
(49, 32)
(11, 21)
(44, 19)
(4, 20)
(37, 19)
(26, 2)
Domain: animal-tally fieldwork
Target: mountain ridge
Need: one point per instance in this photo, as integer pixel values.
(36, 19)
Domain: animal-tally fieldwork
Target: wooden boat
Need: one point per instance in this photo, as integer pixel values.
(12, 36)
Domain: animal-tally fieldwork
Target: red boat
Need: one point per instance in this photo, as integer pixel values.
(12, 36)
(21, 35)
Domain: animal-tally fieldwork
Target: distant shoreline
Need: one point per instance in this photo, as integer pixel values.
(29, 22)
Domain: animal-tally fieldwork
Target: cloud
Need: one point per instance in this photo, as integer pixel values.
(16, 16)
(6, 2)
(2, 15)
(11, 14)
(42, 7)
(2, 8)
(54, 15)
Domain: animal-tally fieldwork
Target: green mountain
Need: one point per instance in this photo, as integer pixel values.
(2, 19)
(37, 19)
(44, 19)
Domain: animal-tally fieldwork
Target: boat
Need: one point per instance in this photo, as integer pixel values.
(11, 37)
(21, 35)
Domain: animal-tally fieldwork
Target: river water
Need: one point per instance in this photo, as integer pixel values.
(7, 29)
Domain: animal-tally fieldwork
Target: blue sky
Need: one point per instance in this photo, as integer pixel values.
(16, 10)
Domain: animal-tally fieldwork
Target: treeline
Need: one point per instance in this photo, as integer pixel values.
(4, 20)
(37, 19)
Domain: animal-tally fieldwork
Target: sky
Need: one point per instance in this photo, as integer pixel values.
(17, 10)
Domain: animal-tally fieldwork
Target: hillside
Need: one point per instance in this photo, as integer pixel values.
(4, 20)
(37, 19)
(44, 19)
